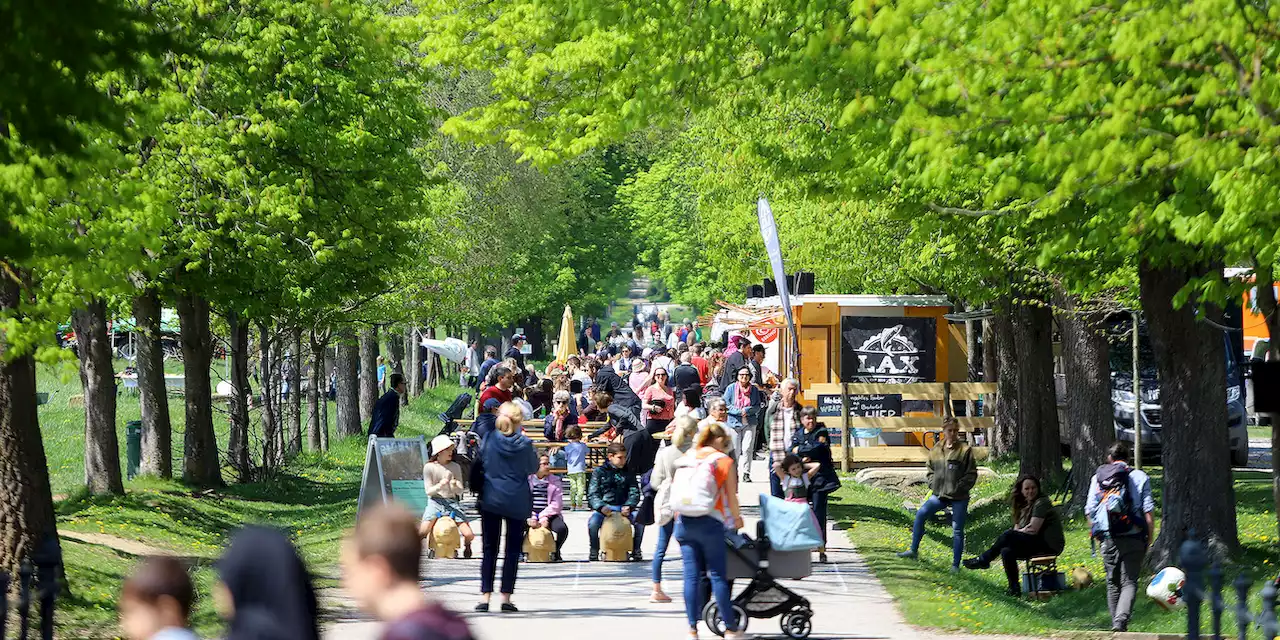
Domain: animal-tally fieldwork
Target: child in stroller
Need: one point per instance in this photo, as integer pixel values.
(764, 597)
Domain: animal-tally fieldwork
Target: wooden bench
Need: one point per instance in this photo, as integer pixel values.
(1037, 570)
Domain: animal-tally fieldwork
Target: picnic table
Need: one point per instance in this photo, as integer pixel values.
(130, 381)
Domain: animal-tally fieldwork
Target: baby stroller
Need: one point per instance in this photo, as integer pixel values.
(764, 597)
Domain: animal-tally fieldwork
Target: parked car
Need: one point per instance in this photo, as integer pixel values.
(1150, 422)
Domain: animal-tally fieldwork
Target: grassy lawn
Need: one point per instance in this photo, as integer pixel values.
(1260, 432)
(974, 601)
(313, 498)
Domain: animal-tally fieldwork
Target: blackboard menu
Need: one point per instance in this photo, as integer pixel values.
(887, 350)
(888, 405)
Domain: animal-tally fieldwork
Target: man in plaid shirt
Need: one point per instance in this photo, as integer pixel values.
(783, 418)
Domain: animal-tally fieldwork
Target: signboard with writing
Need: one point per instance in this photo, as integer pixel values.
(393, 470)
(863, 406)
(887, 350)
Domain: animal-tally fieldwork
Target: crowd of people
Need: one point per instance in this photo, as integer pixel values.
(680, 424)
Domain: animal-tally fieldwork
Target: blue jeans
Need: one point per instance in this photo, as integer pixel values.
(775, 484)
(660, 551)
(597, 520)
(959, 512)
(702, 546)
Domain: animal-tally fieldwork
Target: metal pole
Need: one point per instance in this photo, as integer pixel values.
(1137, 400)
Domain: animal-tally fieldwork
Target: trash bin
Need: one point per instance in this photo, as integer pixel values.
(133, 447)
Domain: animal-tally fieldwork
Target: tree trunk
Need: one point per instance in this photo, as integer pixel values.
(241, 396)
(415, 362)
(1190, 364)
(348, 387)
(270, 395)
(27, 522)
(294, 444)
(1090, 424)
(97, 378)
(395, 353)
(1265, 297)
(368, 373)
(200, 465)
(434, 372)
(990, 355)
(157, 430)
(1039, 449)
(318, 387)
(1004, 437)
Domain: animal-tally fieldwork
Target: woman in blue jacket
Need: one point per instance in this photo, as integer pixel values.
(745, 403)
(812, 443)
(508, 459)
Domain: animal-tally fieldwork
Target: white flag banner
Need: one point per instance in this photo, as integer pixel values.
(769, 231)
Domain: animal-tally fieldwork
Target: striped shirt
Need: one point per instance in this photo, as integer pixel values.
(540, 501)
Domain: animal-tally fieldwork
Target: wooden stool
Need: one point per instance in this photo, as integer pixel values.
(1037, 570)
(539, 544)
(616, 536)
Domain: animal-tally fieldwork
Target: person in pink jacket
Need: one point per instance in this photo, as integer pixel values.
(548, 503)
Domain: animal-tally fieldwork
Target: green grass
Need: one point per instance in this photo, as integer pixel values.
(974, 601)
(313, 499)
(1260, 432)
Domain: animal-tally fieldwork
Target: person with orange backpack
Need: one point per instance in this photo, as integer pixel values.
(704, 499)
(1120, 509)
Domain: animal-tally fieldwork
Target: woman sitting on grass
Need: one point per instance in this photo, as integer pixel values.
(1038, 532)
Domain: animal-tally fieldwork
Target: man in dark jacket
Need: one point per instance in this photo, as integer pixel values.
(517, 342)
(619, 390)
(732, 363)
(613, 488)
(486, 419)
(490, 359)
(685, 376)
(386, 412)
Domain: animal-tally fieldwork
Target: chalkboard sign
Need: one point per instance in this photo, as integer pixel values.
(887, 350)
(862, 406)
(393, 471)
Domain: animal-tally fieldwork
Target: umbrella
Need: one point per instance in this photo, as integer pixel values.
(451, 349)
(568, 345)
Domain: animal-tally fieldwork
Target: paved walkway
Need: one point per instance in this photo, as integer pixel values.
(579, 599)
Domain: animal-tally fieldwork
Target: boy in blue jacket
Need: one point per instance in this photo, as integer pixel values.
(613, 489)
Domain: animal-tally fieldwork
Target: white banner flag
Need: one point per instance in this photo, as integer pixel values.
(769, 231)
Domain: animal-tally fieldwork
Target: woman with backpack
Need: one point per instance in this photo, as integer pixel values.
(704, 498)
(683, 430)
(1037, 532)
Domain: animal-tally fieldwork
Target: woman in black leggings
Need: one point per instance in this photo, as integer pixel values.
(1037, 532)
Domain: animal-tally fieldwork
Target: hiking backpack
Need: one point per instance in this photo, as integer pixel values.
(694, 489)
(1117, 514)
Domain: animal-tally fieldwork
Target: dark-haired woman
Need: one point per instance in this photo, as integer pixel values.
(264, 590)
(812, 444)
(1038, 532)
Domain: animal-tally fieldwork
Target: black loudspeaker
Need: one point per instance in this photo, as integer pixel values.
(755, 291)
(802, 283)
(770, 288)
(1266, 387)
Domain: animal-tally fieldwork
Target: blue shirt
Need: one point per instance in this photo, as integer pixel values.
(576, 457)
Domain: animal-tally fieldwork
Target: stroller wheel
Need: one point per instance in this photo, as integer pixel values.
(797, 624)
(711, 616)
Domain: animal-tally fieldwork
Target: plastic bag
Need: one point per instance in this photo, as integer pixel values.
(791, 526)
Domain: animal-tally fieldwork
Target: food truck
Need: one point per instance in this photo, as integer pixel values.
(881, 369)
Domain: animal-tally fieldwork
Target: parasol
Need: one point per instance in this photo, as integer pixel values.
(451, 349)
(568, 345)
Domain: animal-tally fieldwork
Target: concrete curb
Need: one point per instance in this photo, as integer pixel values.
(1108, 635)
